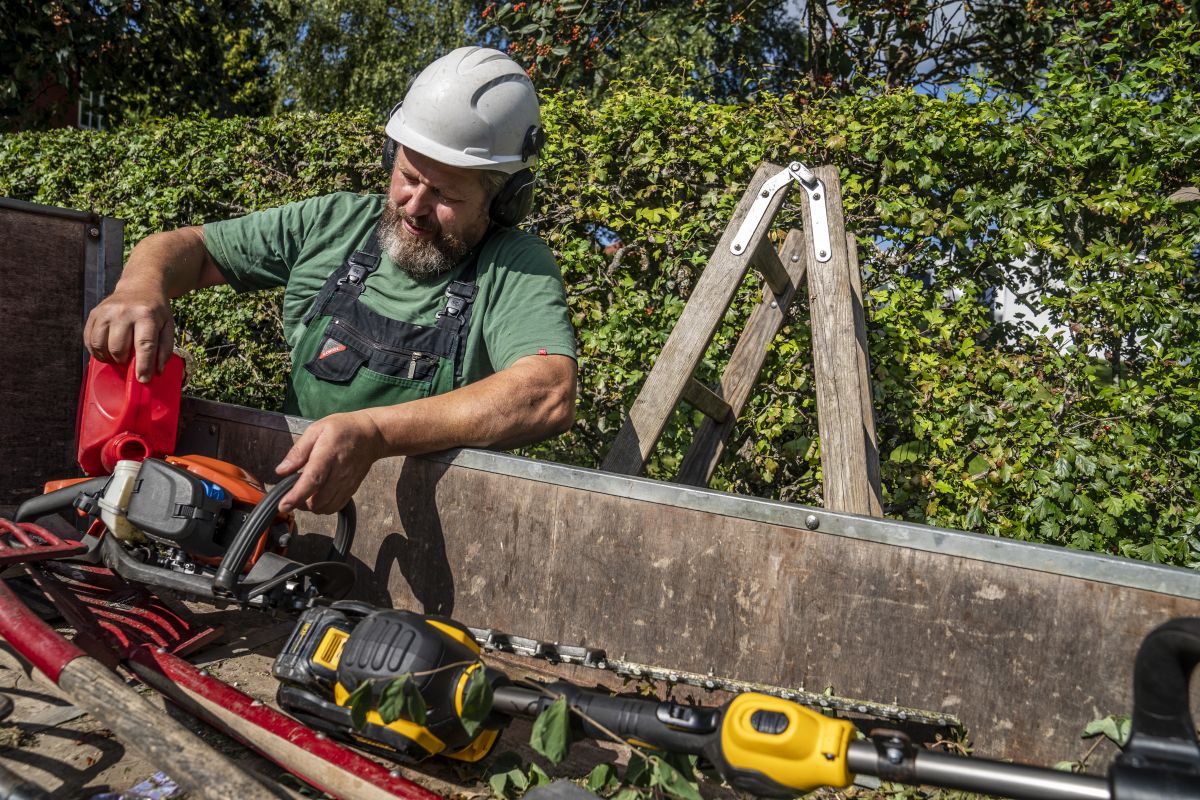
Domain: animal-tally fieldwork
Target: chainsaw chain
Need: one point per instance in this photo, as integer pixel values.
(595, 658)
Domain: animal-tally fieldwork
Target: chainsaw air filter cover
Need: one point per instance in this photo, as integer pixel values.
(174, 506)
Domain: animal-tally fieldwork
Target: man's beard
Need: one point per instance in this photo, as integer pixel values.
(420, 258)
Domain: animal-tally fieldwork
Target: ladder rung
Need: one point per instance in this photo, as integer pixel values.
(766, 260)
(706, 401)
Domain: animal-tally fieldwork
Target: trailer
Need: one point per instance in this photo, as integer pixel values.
(1025, 644)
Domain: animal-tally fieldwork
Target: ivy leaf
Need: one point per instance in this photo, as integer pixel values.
(506, 776)
(907, 452)
(538, 776)
(671, 781)
(638, 772)
(601, 778)
(551, 734)
(360, 702)
(477, 704)
(1114, 727)
(401, 698)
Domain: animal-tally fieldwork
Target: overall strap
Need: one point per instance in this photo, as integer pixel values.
(350, 277)
(460, 295)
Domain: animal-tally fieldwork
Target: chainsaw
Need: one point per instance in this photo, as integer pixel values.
(199, 527)
(757, 743)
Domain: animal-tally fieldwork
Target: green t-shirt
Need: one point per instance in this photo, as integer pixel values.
(520, 307)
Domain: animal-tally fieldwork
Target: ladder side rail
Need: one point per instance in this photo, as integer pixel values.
(745, 365)
(870, 442)
(711, 297)
(844, 415)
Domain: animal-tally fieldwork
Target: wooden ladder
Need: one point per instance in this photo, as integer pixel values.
(823, 250)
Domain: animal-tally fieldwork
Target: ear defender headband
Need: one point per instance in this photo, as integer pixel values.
(514, 201)
(390, 145)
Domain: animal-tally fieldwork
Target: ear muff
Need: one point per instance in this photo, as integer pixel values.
(514, 201)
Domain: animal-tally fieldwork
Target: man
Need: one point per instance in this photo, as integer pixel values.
(442, 326)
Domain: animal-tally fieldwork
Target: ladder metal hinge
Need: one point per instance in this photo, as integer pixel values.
(816, 204)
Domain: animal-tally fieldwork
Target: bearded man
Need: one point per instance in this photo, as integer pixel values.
(418, 320)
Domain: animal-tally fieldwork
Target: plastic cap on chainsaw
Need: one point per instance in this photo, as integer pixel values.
(120, 418)
(473, 108)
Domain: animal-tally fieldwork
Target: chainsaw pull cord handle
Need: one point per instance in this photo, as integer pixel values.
(257, 520)
(1162, 759)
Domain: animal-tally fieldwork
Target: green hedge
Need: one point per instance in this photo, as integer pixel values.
(1088, 440)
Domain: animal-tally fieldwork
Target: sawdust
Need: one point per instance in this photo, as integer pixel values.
(12, 736)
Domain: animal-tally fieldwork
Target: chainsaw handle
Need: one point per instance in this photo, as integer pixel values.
(343, 537)
(1161, 759)
(1161, 674)
(633, 719)
(57, 501)
(225, 582)
(244, 540)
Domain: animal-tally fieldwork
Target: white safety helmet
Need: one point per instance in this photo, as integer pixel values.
(474, 107)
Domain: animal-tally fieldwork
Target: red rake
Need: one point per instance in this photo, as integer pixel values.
(26, 542)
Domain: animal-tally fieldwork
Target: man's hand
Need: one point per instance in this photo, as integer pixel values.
(135, 320)
(530, 400)
(132, 322)
(334, 455)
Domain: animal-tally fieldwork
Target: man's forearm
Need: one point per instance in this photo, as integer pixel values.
(172, 263)
(530, 401)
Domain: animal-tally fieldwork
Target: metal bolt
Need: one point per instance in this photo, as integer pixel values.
(795, 257)
(774, 304)
(94, 232)
(737, 248)
(894, 755)
(812, 522)
(395, 773)
(765, 193)
(203, 673)
(821, 254)
(321, 737)
(829, 756)
(816, 195)
(256, 704)
(160, 649)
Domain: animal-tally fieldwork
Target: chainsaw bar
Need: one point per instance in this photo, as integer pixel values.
(595, 658)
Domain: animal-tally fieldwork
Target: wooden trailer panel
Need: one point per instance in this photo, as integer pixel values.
(52, 272)
(1025, 643)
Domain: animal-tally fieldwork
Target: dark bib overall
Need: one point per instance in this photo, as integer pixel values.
(351, 357)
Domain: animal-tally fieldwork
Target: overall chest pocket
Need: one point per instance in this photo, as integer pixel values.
(345, 349)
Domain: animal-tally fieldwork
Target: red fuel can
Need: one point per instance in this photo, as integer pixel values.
(120, 418)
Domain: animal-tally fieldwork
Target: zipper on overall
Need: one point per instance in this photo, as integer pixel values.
(414, 356)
